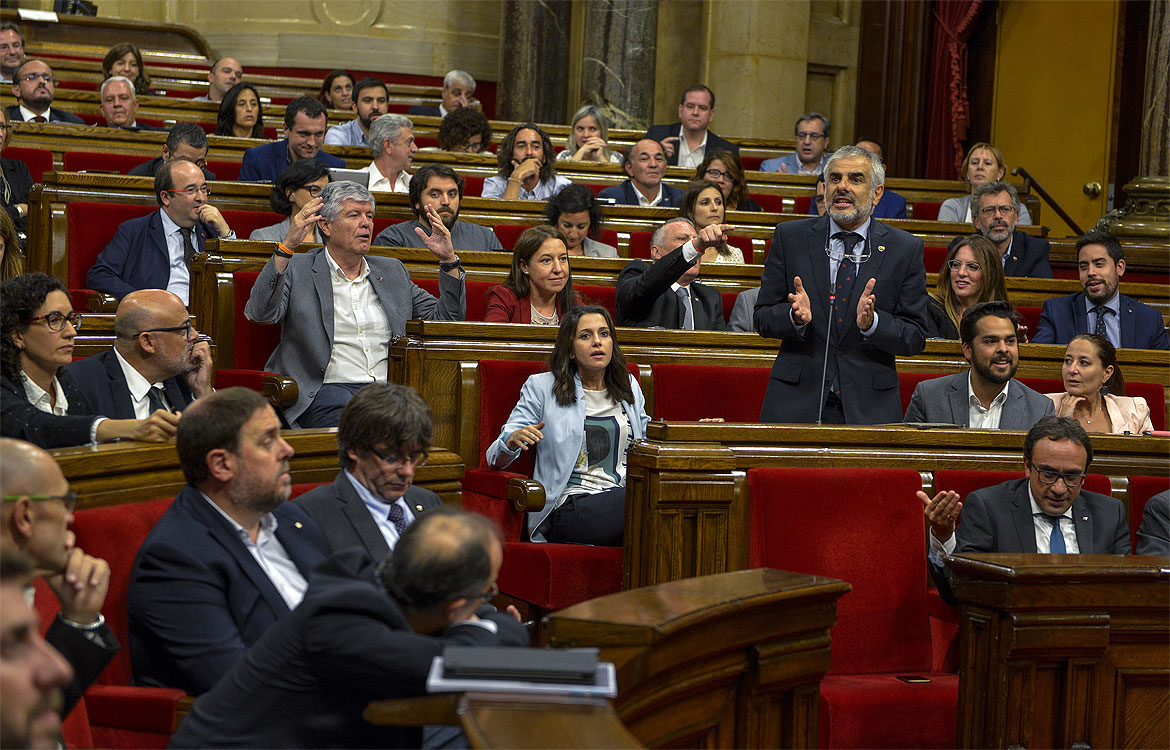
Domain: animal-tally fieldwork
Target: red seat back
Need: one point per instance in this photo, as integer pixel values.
(728, 304)
(933, 257)
(255, 342)
(907, 381)
(751, 163)
(225, 171)
(608, 237)
(926, 210)
(503, 381)
(606, 296)
(91, 227)
(801, 204)
(472, 185)
(640, 244)
(1141, 489)
(37, 160)
(85, 161)
(694, 392)
(473, 291)
(873, 539)
(745, 245)
(770, 202)
(509, 233)
(243, 223)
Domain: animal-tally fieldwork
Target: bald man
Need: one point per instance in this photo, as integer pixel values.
(156, 367)
(645, 164)
(37, 511)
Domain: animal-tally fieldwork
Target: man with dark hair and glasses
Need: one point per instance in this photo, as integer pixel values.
(34, 85)
(34, 519)
(155, 251)
(364, 632)
(1046, 512)
(384, 434)
(995, 211)
(185, 140)
(157, 366)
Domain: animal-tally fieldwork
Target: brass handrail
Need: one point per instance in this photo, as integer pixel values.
(1033, 185)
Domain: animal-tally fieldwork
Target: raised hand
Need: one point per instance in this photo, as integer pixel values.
(301, 223)
(801, 309)
(712, 236)
(668, 145)
(942, 511)
(209, 214)
(523, 170)
(525, 437)
(439, 240)
(865, 306)
(199, 376)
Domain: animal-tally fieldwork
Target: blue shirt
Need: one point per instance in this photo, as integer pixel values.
(347, 134)
(1112, 320)
(265, 163)
(380, 510)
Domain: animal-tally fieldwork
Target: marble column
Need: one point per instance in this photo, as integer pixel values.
(534, 60)
(618, 60)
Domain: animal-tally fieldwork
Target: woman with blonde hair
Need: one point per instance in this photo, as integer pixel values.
(984, 163)
(972, 273)
(588, 138)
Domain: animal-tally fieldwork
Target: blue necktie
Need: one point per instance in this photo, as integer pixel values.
(684, 299)
(1055, 538)
(398, 518)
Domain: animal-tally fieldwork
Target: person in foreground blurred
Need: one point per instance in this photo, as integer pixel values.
(367, 630)
(580, 417)
(539, 288)
(577, 216)
(970, 274)
(1094, 390)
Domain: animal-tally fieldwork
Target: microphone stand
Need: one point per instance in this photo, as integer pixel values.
(857, 258)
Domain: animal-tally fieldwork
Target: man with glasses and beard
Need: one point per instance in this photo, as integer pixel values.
(846, 294)
(230, 557)
(995, 210)
(987, 396)
(34, 85)
(439, 187)
(1046, 512)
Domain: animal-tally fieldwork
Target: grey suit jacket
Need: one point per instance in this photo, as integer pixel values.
(339, 511)
(1154, 533)
(945, 400)
(744, 310)
(301, 301)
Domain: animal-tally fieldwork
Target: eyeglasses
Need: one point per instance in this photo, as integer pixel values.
(990, 211)
(30, 77)
(185, 328)
(802, 134)
(715, 174)
(192, 191)
(394, 460)
(69, 499)
(474, 148)
(313, 190)
(56, 320)
(972, 266)
(1048, 476)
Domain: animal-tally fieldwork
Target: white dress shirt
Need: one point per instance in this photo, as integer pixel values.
(644, 201)
(380, 183)
(40, 398)
(980, 418)
(271, 555)
(1040, 524)
(360, 329)
(139, 388)
(380, 510)
(686, 157)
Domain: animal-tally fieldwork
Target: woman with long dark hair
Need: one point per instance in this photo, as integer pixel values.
(1094, 390)
(702, 203)
(337, 91)
(577, 216)
(580, 417)
(125, 60)
(539, 288)
(240, 113)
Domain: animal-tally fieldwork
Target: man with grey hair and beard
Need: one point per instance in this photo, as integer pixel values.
(393, 147)
(846, 294)
(995, 210)
(362, 302)
(230, 557)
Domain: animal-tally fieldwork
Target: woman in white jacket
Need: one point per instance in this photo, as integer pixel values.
(580, 418)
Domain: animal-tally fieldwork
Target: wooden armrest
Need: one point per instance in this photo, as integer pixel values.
(281, 391)
(525, 494)
(99, 302)
(414, 712)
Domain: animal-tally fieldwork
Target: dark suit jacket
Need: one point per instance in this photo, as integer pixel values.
(1065, 317)
(265, 163)
(867, 375)
(1154, 532)
(137, 257)
(197, 597)
(661, 132)
(944, 400)
(55, 115)
(87, 657)
(644, 297)
(1028, 258)
(346, 521)
(419, 109)
(307, 681)
(626, 195)
(148, 168)
(19, 183)
(101, 379)
(140, 128)
(20, 419)
(940, 326)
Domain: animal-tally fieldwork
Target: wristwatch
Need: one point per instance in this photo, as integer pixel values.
(451, 266)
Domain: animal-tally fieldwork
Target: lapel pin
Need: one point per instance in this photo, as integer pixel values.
(297, 524)
(379, 278)
(1084, 518)
(881, 248)
(418, 507)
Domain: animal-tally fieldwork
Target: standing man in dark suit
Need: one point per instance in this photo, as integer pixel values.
(155, 251)
(645, 163)
(845, 317)
(1046, 512)
(458, 91)
(1100, 308)
(230, 557)
(338, 309)
(687, 142)
(304, 132)
(987, 396)
(384, 434)
(995, 210)
(665, 294)
(34, 87)
(34, 520)
(157, 362)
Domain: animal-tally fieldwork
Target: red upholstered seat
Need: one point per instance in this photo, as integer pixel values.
(91, 227)
(381, 222)
(85, 161)
(640, 244)
(769, 202)
(606, 296)
(1029, 317)
(509, 233)
(1141, 489)
(751, 163)
(243, 223)
(728, 299)
(37, 160)
(472, 185)
(801, 204)
(883, 625)
(933, 257)
(225, 171)
(907, 381)
(745, 245)
(926, 210)
(473, 291)
(734, 393)
(608, 237)
(255, 342)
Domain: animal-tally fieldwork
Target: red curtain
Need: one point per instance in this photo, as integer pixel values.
(949, 112)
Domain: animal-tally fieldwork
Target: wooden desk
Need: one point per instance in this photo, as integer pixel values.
(106, 32)
(1064, 650)
(731, 660)
(687, 493)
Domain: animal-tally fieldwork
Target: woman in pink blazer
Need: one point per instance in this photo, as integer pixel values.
(1095, 390)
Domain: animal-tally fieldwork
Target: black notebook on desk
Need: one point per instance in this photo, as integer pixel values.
(573, 666)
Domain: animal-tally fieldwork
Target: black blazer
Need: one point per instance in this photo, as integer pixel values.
(20, 419)
(101, 380)
(939, 325)
(88, 657)
(644, 297)
(55, 115)
(148, 168)
(345, 519)
(1029, 256)
(20, 182)
(419, 109)
(660, 132)
(625, 194)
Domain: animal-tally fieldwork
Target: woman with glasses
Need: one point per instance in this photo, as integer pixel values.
(703, 204)
(300, 183)
(38, 403)
(577, 216)
(580, 417)
(240, 113)
(1094, 390)
(971, 273)
(465, 131)
(588, 138)
(337, 91)
(984, 163)
(723, 167)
